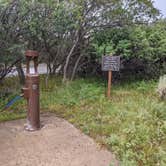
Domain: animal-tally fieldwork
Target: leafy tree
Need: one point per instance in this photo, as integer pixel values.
(63, 30)
(143, 44)
(10, 38)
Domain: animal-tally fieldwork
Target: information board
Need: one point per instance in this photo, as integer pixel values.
(110, 63)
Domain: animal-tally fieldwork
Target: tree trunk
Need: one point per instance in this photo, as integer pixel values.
(47, 76)
(68, 58)
(75, 67)
(20, 73)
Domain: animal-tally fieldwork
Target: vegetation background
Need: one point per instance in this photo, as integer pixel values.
(71, 37)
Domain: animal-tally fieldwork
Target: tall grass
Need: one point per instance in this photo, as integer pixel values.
(132, 123)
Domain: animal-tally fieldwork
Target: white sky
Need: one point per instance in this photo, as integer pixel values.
(161, 5)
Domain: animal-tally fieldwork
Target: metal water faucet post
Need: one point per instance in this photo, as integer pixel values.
(31, 92)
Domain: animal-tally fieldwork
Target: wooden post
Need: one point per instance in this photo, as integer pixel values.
(109, 84)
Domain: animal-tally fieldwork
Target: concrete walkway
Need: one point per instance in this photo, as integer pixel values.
(58, 143)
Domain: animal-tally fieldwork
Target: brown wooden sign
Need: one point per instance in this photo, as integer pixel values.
(110, 63)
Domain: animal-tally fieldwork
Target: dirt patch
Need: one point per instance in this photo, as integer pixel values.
(58, 143)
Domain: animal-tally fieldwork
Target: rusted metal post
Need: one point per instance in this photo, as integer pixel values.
(31, 92)
(109, 84)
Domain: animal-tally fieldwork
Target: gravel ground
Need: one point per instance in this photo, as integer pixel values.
(58, 143)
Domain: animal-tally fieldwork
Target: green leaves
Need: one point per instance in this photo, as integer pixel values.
(144, 42)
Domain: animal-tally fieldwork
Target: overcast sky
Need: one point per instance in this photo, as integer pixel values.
(161, 5)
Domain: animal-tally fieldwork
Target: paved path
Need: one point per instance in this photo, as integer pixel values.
(58, 143)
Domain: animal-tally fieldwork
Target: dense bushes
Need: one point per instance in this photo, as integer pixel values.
(142, 48)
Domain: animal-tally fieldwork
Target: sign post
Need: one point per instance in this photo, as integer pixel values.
(110, 63)
(109, 84)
